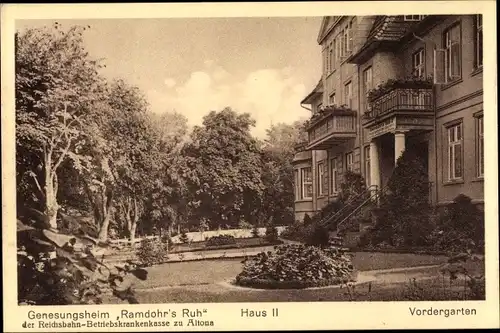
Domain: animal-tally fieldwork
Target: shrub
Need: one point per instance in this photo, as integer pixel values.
(319, 237)
(307, 219)
(152, 252)
(221, 240)
(404, 215)
(461, 227)
(296, 266)
(299, 232)
(183, 237)
(271, 233)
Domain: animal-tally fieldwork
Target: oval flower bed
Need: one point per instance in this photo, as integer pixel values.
(296, 266)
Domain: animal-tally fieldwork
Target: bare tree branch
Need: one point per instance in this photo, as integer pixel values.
(35, 178)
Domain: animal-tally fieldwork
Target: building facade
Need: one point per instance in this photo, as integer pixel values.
(390, 84)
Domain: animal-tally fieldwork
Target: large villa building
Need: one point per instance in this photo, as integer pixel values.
(392, 83)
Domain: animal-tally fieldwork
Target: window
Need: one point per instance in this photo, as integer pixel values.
(346, 41)
(418, 64)
(453, 57)
(327, 61)
(349, 161)
(478, 41)
(333, 175)
(331, 99)
(348, 95)
(296, 177)
(307, 185)
(414, 18)
(367, 84)
(322, 179)
(455, 150)
(367, 166)
(480, 146)
(333, 59)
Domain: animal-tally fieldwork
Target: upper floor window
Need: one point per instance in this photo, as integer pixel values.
(478, 41)
(367, 84)
(453, 56)
(418, 64)
(455, 151)
(332, 55)
(346, 41)
(349, 161)
(331, 100)
(414, 18)
(348, 94)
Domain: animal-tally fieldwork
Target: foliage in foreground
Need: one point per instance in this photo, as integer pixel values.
(297, 263)
(57, 269)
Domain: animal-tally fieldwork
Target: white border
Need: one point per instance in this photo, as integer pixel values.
(320, 315)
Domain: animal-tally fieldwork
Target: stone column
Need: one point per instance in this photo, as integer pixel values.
(374, 164)
(399, 145)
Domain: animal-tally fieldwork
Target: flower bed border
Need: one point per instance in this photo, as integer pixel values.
(273, 284)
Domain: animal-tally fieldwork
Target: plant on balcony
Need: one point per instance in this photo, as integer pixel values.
(325, 111)
(405, 83)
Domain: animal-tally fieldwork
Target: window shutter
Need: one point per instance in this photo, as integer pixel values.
(439, 65)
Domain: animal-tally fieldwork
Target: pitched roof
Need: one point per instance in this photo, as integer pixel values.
(318, 90)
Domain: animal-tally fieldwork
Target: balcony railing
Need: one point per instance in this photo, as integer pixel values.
(333, 125)
(401, 100)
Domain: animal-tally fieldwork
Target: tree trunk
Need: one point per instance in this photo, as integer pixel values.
(105, 217)
(51, 205)
(103, 231)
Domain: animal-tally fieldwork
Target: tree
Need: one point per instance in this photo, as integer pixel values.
(56, 86)
(278, 150)
(224, 162)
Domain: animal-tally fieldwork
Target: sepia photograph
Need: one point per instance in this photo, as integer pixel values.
(252, 159)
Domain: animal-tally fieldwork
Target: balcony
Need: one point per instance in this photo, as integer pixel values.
(402, 104)
(331, 126)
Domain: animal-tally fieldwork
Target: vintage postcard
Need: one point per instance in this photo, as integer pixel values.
(249, 166)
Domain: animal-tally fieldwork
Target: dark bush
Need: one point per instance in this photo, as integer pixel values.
(271, 233)
(319, 237)
(460, 227)
(152, 251)
(221, 240)
(183, 237)
(404, 214)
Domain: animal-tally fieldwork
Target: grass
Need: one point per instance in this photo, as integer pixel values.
(213, 271)
(199, 281)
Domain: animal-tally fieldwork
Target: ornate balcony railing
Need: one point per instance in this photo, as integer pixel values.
(399, 99)
(333, 125)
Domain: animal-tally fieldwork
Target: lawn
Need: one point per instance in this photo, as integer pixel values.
(213, 271)
(206, 281)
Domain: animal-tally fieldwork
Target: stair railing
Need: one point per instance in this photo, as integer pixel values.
(335, 215)
(374, 197)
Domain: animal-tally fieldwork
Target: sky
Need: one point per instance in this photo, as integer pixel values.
(263, 66)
